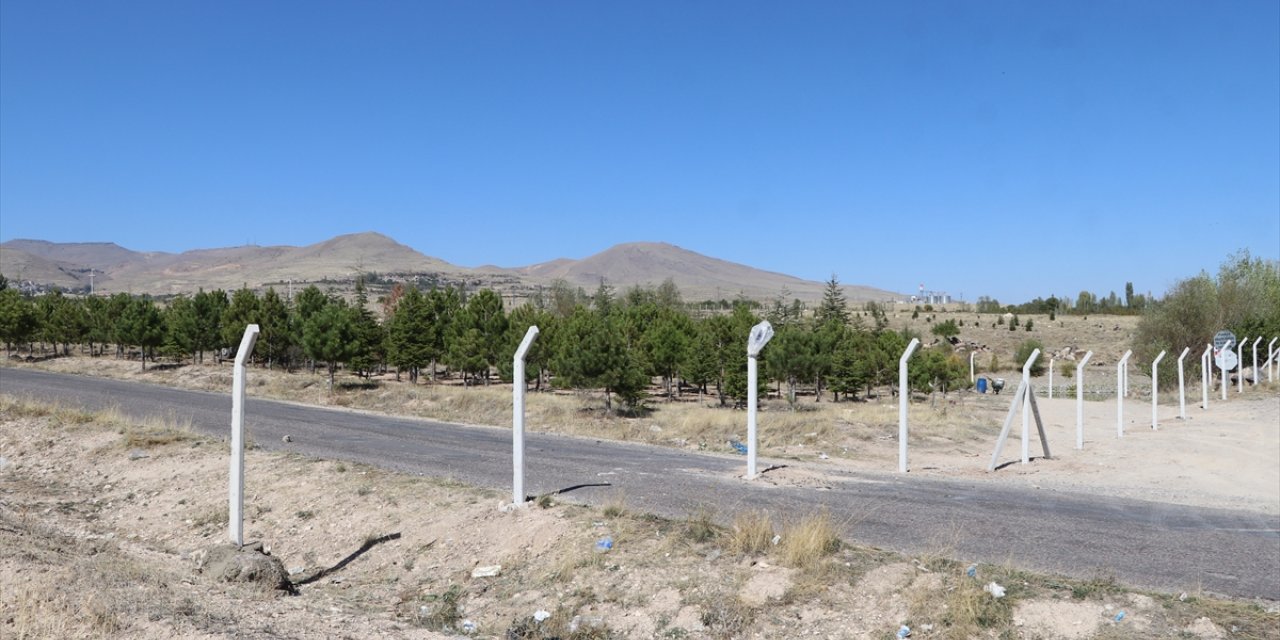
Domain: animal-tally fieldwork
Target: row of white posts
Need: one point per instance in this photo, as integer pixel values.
(760, 336)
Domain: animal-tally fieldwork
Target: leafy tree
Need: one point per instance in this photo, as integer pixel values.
(18, 321)
(1244, 297)
(1024, 352)
(937, 369)
(946, 329)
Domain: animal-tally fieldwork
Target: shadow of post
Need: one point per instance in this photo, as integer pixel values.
(364, 548)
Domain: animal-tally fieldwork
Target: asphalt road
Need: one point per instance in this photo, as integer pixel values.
(1170, 548)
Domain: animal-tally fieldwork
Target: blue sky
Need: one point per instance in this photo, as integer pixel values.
(1010, 149)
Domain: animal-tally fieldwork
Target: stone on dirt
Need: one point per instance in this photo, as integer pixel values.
(229, 563)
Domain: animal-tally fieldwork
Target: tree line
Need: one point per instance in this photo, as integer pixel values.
(627, 345)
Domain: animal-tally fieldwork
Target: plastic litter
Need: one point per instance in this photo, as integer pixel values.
(776, 539)
(468, 627)
(972, 571)
(541, 615)
(738, 446)
(603, 545)
(904, 631)
(994, 589)
(1120, 616)
(486, 572)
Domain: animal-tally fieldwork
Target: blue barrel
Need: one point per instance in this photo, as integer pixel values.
(982, 385)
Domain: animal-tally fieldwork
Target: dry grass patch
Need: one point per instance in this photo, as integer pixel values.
(807, 542)
(752, 533)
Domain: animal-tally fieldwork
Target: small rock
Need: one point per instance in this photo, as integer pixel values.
(490, 571)
(137, 454)
(541, 615)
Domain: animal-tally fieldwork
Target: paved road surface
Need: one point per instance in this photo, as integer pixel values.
(1166, 547)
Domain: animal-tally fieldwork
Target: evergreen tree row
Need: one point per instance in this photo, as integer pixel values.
(618, 344)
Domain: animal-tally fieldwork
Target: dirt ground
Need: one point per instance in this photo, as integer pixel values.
(103, 523)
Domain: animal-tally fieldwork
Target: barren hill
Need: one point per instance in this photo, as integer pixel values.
(342, 258)
(699, 277)
(21, 266)
(97, 255)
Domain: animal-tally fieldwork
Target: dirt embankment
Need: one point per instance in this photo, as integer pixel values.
(103, 524)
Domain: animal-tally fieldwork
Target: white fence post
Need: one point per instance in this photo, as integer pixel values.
(1026, 407)
(1182, 388)
(1240, 365)
(971, 356)
(1255, 361)
(1206, 375)
(517, 416)
(1051, 378)
(1120, 375)
(1155, 389)
(1271, 364)
(904, 394)
(1080, 399)
(760, 336)
(235, 483)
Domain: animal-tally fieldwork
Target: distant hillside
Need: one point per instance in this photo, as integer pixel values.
(342, 258)
(699, 277)
(119, 269)
(20, 266)
(98, 255)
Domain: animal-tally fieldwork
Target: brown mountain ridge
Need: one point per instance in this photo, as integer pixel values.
(342, 258)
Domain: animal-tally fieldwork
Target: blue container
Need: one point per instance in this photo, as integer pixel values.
(982, 385)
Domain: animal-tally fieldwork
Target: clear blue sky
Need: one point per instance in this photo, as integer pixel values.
(1010, 149)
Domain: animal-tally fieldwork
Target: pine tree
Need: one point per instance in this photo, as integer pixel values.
(242, 312)
(142, 325)
(408, 334)
(329, 336)
(277, 338)
(833, 309)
